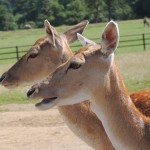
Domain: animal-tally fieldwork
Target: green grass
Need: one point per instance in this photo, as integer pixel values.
(135, 70)
(134, 63)
(28, 37)
(133, 85)
(125, 28)
(15, 96)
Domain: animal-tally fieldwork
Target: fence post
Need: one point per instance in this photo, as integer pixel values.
(17, 53)
(144, 45)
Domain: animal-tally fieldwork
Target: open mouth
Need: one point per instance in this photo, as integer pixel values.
(46, 101)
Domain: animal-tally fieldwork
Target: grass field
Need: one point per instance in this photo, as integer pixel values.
(28, 37)
(133, 62)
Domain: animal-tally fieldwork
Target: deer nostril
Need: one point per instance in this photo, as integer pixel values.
(2, 77)
(30, 92)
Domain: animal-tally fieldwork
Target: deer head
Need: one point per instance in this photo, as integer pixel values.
(83, 74)
(43, 57)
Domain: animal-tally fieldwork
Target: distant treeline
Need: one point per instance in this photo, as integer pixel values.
(14, 14)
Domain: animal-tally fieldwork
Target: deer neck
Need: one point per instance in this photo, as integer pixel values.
(71, 113)
(81, 120)
(126, 127)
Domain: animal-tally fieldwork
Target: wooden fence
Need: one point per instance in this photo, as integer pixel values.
(127, 41)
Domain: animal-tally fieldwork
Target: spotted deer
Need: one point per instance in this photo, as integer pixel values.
(93, 74)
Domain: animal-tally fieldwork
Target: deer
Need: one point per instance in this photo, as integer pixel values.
(41, 60)
(145, 21)
(26, 71)
(94, 75)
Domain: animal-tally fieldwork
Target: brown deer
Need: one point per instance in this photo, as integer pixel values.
(41, 60)
(145, 21)
(27, 72)
(93, 74)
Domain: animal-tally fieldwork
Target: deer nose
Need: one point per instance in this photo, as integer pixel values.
(30, 92)
(33, 91)
(3, 77)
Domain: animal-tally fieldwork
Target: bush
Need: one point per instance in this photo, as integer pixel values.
(32, 23)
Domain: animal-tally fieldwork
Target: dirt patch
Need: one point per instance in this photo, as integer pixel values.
(24, 127)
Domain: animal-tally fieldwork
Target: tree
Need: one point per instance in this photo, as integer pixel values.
(145, 7)
(119, 9)
(95, 9)
(74, 12)
(16, 13)
(122, 10)
(7, 21)
(51, 10)
(140, 8)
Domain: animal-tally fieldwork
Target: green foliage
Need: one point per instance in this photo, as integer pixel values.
(50, 10)
(146, 6)
(122, 10)
(7, 21)
(75, 12)
(96, 9)
(28, 37)
(140, 7)
(14, 14)
(32, 23)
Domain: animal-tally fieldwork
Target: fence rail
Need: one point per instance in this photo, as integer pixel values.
(139, 40)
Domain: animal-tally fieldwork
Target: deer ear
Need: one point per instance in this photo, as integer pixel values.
(49, 32)
(71, 34)
(84, 41)
(109, 39)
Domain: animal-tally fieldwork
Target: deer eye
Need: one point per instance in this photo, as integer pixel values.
(74, 66)
(32, 55)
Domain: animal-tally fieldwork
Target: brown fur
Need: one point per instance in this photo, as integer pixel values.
(128, 128)
(81, 120)
(79, 115)
(141, 100)
(99, 80)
